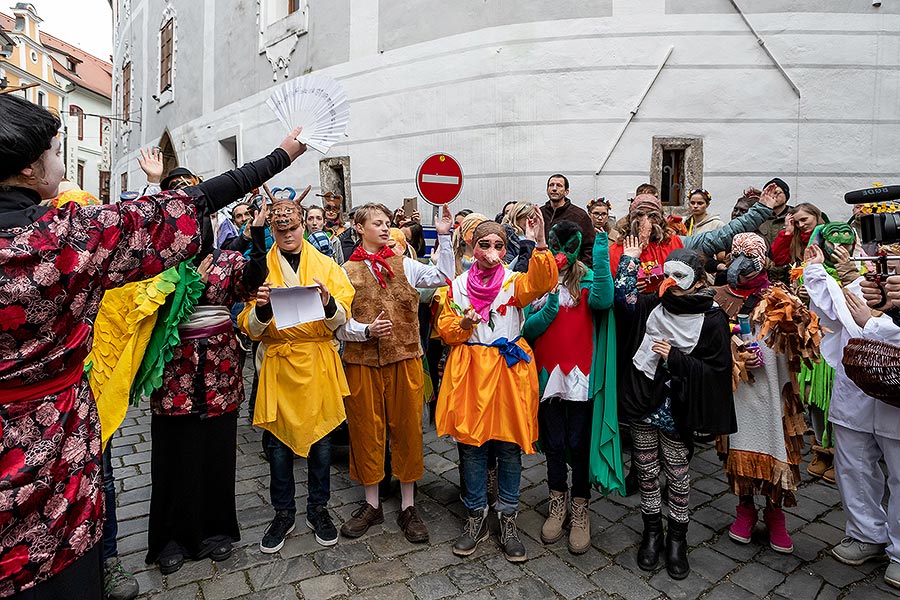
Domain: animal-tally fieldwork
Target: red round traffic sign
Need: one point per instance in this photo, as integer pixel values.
(439, 179)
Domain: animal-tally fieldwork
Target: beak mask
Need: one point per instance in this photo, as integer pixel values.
(683, 269)
(564, 242)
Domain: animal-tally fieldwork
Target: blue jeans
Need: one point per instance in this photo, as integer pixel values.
(110, 525)
(281, 473)
(474, 461)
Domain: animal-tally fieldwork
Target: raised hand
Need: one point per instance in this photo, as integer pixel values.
(789, 225)
(540, 235)
(530, 227)
(290, 144)
(151, 164)
(813, 255)
(262, 216)
(444, 222)
(768, 197)
(631, 247)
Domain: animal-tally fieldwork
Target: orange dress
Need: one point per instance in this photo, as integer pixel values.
(482, 397)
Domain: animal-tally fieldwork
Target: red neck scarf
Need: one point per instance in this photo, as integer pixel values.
(378, 260)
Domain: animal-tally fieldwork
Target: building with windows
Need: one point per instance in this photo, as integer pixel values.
(68, 81)
(721, 94)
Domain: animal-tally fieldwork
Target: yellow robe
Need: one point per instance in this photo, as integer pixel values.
(481, 398)
(122, 330)
(301, 378)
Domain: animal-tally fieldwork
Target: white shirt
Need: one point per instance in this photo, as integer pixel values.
(419, 276)
(850, 407)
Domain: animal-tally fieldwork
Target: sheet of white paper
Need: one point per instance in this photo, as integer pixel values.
(296, 305)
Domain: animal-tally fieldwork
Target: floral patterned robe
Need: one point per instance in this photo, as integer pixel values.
(222, 388)
(53, 272)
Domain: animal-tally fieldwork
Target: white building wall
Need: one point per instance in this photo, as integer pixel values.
(516, 102)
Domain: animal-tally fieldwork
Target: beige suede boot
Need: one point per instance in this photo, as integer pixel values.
(554, 527)
(580, 527)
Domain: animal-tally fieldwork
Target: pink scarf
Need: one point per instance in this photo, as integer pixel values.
(483, 287)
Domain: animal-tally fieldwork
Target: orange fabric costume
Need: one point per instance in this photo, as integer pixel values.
(481, 397)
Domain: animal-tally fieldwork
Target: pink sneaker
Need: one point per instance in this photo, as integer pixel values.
(742, 529)
(779, 539)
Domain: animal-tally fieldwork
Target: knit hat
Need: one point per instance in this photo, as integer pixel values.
(645, 203)
(486, 228)
(780, 183)
(749, 244)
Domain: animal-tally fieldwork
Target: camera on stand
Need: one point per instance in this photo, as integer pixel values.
(879, 224)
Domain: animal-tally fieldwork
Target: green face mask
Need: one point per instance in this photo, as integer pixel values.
(569, 249)
(829, 235)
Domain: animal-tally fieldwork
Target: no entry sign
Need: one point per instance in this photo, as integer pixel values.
(439, 179)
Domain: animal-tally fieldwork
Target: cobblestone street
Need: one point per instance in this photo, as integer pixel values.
(383, 565)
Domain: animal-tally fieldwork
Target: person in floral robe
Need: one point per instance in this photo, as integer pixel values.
(55, 264)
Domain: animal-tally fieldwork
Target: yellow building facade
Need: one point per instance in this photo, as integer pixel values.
(29, 63)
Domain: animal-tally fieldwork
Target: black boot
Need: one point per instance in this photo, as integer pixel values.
(676, 550)
(632, 485)
(651, 543)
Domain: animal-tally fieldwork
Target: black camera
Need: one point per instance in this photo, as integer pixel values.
(880, 228)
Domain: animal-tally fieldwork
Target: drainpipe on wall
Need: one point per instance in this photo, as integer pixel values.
(762, 44)
(635, 110)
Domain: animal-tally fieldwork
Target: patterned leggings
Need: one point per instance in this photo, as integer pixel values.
(652, 446)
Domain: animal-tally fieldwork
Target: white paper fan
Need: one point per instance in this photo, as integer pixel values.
(318, 104)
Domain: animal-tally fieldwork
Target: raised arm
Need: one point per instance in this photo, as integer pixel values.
(133, 240)
(256, 271)
(601, 297)
(719, 240)
(626, 291)
(430, 276)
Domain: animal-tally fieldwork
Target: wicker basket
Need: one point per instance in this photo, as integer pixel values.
(874, 367)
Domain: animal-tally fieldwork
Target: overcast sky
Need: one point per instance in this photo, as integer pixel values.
(86, 24)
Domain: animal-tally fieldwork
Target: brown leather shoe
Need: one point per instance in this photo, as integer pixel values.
(412, 525)
(363, 517)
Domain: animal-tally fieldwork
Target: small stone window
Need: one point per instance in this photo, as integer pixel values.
(676, 167)
(334, 176)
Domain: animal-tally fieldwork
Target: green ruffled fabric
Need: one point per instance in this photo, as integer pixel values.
(819, 380)
(185, 288)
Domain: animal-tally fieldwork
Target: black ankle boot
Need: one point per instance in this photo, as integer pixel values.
(651, 543)
(676, 550)
(632, 484)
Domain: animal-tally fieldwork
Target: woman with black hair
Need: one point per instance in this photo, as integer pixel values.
(55, 264)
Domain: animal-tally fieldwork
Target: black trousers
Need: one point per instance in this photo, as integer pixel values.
(565, 434)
